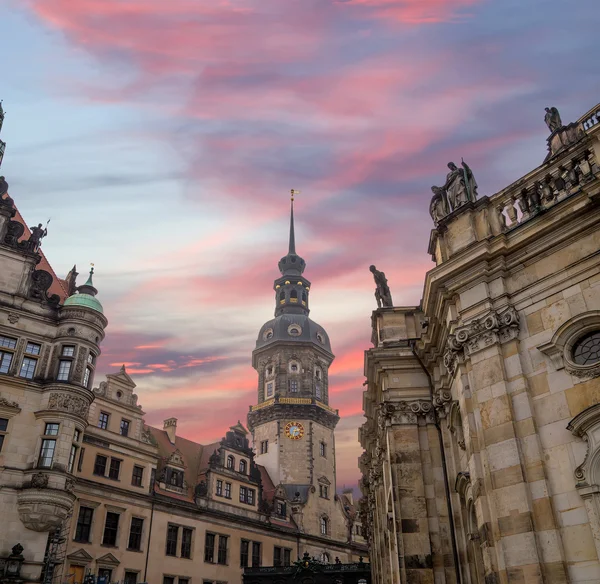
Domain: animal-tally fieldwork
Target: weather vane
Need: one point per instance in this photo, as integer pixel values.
(294, 192)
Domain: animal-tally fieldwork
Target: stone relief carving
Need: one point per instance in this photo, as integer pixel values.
(13, 318)
(460, 188)
(68, 403)
(39, 480)
(4, 403)
(41, 280)
(69, 485)
(147, 437)
(499, 326)
(101, 389)
(80, 364)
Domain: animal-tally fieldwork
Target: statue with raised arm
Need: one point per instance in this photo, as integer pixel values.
(35, 239)
(552, 119)
(382, 290)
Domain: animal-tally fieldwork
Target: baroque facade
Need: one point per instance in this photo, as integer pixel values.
(87, 488)
(481, 460)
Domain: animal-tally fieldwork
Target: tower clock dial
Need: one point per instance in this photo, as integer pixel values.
(294, 430)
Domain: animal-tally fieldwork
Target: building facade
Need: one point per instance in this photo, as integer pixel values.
(87, 488)
(481, 440)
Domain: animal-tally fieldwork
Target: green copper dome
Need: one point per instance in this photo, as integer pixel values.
(86, 300)
(85, 296)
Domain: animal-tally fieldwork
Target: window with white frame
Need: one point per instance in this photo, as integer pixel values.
(48, 445)
(7, 346)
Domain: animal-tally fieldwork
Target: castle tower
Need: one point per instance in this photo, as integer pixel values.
(292, 423)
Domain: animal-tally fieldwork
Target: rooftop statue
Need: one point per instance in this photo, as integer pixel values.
(460, 188)
(35, 239)
(382, 290)
(552, 119)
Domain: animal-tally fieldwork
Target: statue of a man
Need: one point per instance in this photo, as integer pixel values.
(438, 207)
(552, 119)
(37, 234)
(460, 186)
(382, 290)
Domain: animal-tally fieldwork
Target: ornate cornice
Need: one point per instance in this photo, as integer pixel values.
(407, 412)
(498, 326)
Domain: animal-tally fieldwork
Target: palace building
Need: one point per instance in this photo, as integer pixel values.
(482, 439)
(88, 489)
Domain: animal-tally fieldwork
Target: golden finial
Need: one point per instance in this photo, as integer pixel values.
(294, 192)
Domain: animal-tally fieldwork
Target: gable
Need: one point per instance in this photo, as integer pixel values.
(108, 559)
(80, 556)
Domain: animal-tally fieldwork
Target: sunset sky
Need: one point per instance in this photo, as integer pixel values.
(163, 137)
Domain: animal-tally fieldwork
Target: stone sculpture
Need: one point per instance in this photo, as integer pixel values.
(460, 188)
(35, 239)
(382, 290)
(552, 119)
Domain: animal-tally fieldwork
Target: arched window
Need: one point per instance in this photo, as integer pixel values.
(325, 558)
(324, 525)
(230, 462)
(294, 296)
(243, 466)
(282, 297)
(304, 298)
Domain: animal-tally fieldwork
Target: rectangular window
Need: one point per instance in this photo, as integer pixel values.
(130, 578)
(115, 469)
(8, 342)
(28, 368)
(243, 492)
(168, 580)
(3, 428)
(124, 428)
(174, 477)
(277, 553)
(100, 465)
(84, 525)
(250, 499)
(323, 449)
(264, 446)
(86, 377)
(110, 529)
(228, 490)
(77, 435)
(220, 488)
(222, 555)
(280, 509)
(255, 554)
(72, 457)
(103, 420)
(33, 349)
(135, 534)
(186, 543)
(287, 557)
(80, 461)
(47, 453)
(91, 358)
(318, 390)
(64, 368)
(5, 361)
(244, 551)
(270, 388)
(293, 385)
(68, 351)
(51, 429)
(209, 548)
(172, 536)
(137, 476)
(324, 491)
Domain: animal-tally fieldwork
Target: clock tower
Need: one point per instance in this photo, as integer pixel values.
(292, 423)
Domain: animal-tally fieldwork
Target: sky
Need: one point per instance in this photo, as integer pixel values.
(162, 138)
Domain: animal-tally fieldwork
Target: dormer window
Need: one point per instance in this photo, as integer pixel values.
(280, 508)
(230, 462)
(294, 330)
(243, 466)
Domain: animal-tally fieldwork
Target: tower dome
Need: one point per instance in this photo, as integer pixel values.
(85, 296)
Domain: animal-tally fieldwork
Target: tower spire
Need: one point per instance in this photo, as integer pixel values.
(292, 246)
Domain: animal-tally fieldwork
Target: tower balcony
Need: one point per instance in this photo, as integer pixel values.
(292, 407)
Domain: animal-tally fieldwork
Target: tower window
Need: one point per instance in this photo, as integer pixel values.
(282, 297)
(270, 388)
(324, 524)
(294, 296)
(324, 491)
(293, 386)
(318, 390)
(264, 447)
(230, 462)
(243, 466)
(323, 449)
(304, 297)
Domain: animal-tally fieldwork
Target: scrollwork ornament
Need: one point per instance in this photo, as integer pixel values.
(8, 404)
(583, 373)
(579, 471)
(39, 480)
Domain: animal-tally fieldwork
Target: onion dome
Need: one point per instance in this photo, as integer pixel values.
(85, 296)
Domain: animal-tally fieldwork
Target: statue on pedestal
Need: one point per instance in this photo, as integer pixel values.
(552, 119)
(460, 188)
(382, 290)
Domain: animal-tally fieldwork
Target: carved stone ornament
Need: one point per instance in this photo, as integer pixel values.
(441, 402)
(41, 280)
(147, 437)
(498, 326)
(39, 480)
(405, 412)
(4, 403)
(586, 425)
(69, 485)
(13, 318)
(68, 403)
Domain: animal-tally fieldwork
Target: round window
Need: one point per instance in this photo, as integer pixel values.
(268, 334)
(586, 351)
(294, 330)
(320, 338)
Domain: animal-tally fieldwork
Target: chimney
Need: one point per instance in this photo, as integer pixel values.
(170, 428)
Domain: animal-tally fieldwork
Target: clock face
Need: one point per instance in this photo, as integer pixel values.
(294, 430)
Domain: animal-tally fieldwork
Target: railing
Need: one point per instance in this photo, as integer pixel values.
(293, 401)
(511, 208)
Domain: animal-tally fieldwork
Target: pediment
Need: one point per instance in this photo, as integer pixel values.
(176, 459)
(324, 481)
(80, 556)
(108, 559)
(239, 428)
